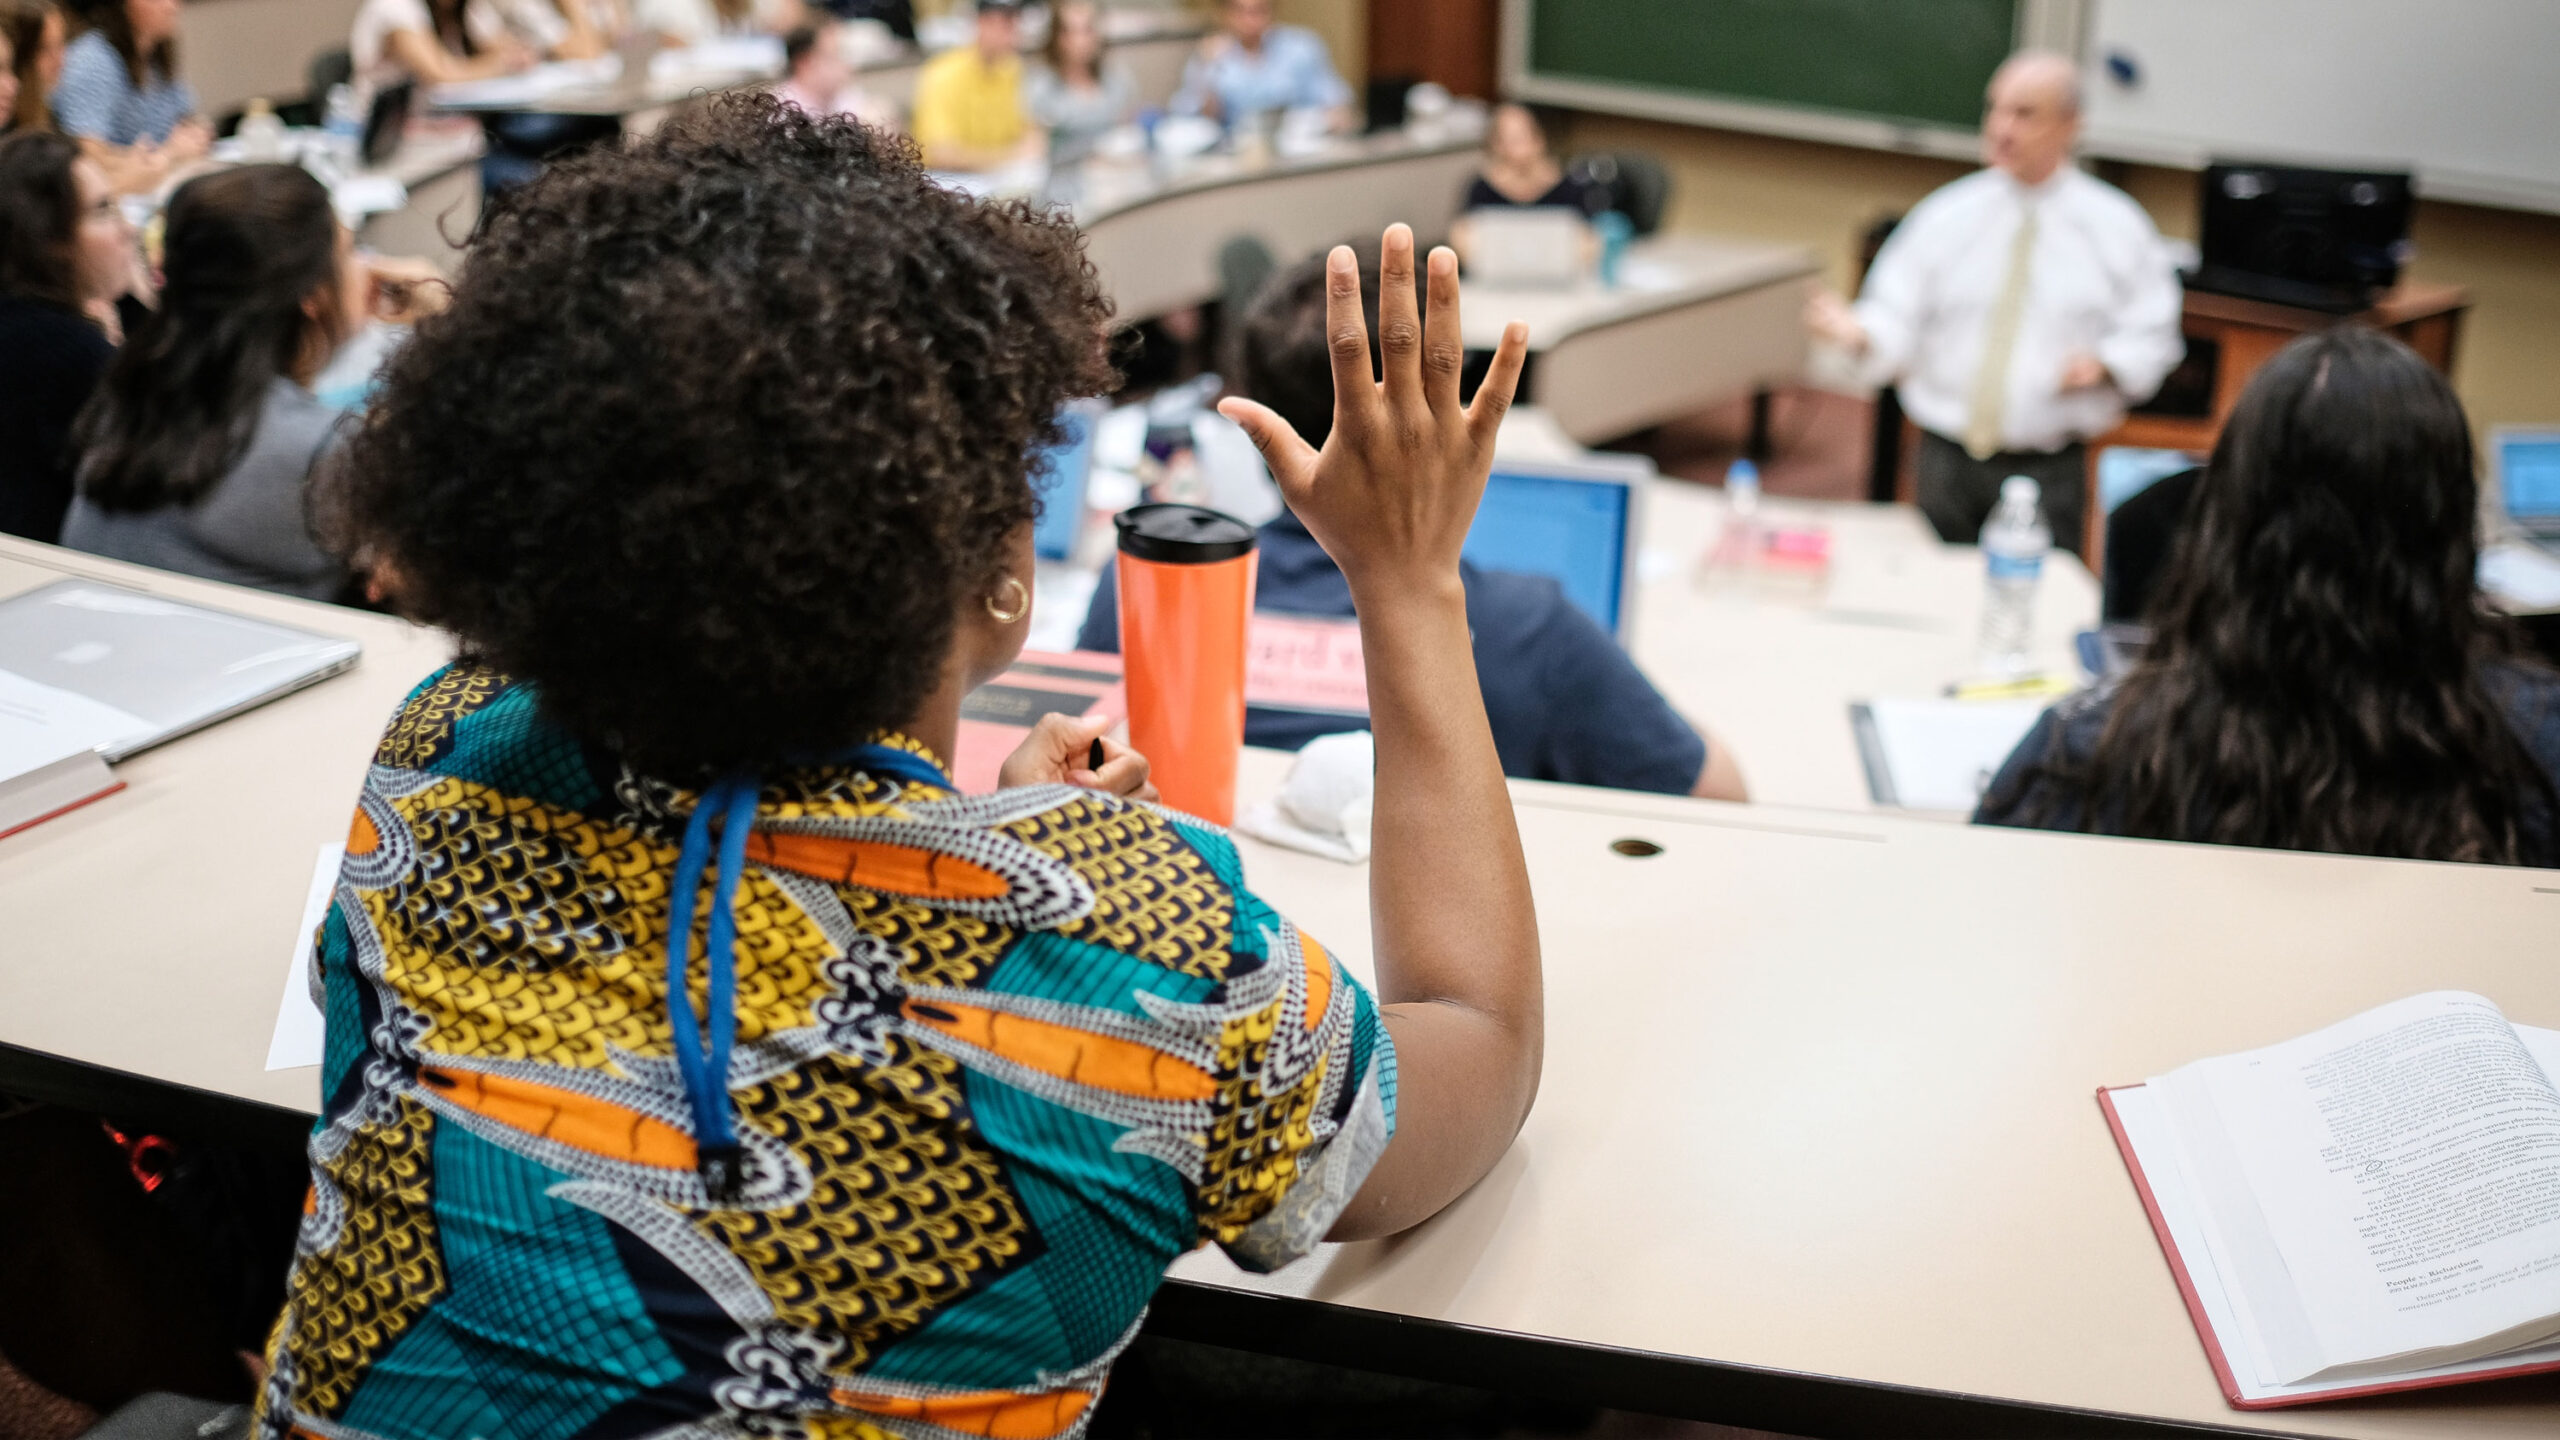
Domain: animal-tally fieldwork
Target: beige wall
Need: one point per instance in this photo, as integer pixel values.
(2508, 367)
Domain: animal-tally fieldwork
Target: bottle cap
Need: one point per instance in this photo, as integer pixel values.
(2021, 486)
(1182, 535)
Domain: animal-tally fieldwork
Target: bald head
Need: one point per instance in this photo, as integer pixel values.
(2031, 115)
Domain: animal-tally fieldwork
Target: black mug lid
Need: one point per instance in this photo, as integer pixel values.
(1182, 535)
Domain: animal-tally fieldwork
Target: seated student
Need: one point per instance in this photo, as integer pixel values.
(961, 1098)
(433, 42)
(680, 23)
(819, 82)
(1084, 92)
(198, 448)
(969, 110)
(1252, 66)
(2322, 673)
(120, 94)
(1566, 702)
(1520, 170)
(34, 31)
(66, 251)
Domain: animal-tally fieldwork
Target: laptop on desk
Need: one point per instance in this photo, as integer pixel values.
(1538, 247)
(156, 668)
(1574, 523)
(2526, 466)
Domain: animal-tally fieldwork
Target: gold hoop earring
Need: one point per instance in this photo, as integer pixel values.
(1021, 592)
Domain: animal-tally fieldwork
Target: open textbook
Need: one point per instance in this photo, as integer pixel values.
(2372, 1207)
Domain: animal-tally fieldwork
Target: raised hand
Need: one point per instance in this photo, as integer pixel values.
(1391, 494)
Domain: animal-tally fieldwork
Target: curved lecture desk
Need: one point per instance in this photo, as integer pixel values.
(1816, 1148)
(1693, 320)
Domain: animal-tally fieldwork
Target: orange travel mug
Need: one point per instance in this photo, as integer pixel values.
(1186, 600)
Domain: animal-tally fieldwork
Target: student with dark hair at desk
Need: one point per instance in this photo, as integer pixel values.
(2322, 673)
(66, 253)
(1566, 702)
(120, 95)
(37, 35)
(902, 1135)
(1520, 169)
(197, 450)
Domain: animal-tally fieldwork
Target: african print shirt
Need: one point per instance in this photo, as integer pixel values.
(998, 1060)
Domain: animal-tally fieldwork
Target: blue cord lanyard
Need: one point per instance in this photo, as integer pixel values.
(889, 760)
(706, 1076)
(706, 1079)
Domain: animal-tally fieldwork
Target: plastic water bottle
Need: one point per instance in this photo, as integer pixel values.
(260, 133)
(344, 120)
(1736, 553)
(2014, 544)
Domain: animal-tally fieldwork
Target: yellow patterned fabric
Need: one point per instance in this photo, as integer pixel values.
(998, 1059)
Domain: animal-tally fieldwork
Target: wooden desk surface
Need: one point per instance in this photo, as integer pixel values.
(1819, 1093)
(2402, 303)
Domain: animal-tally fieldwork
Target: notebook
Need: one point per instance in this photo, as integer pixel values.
(126, 671)
(1938, 755)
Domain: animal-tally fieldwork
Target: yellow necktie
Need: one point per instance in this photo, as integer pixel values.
(1983, 430)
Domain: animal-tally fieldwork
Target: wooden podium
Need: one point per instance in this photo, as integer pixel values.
(2228, 338)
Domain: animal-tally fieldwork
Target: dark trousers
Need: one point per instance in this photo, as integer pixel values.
(1958, 492)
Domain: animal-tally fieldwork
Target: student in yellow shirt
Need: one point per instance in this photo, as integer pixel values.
(969, 113)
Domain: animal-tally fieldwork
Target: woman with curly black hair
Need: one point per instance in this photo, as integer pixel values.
(2323, 673)
(718, 470)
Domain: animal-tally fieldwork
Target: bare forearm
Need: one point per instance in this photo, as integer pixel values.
(1448, 887)
(1455, 935)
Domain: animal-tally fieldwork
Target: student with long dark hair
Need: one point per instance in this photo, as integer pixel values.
(34, 33)
(200, 443)
(2323, 674)
(66, 252)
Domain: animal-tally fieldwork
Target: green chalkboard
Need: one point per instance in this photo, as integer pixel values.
(1909, 62)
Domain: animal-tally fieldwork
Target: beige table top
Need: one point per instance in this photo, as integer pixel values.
(1841, 1139)
(1773, 669)
(149, 932)
(1663, 272)
(1819, 1091)
(1154, 232)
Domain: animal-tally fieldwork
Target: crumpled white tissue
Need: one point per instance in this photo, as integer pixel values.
(1324, 806)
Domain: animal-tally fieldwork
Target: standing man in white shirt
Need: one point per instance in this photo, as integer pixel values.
(2019, 309)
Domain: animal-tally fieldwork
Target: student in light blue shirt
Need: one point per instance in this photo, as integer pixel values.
(1252, 65)
(120, 84)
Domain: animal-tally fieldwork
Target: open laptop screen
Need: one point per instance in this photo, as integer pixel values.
(2529, 476)
(1572, 528)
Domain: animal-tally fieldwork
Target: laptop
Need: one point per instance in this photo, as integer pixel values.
(1538, 247)
(2526, 466)
(1573, 523)
(1058, 476)
(167, 666)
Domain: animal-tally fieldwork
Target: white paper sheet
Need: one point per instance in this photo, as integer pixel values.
(40, 724)
(2521, 576)
(1940, 754)
(298, 1032)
